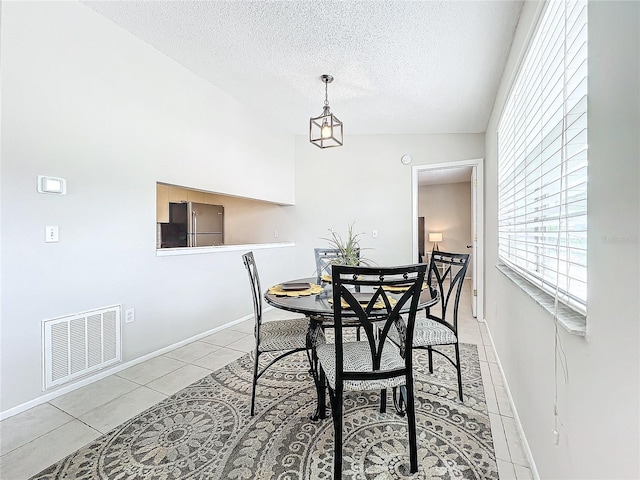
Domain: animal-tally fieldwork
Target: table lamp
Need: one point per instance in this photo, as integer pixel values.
(435, 237)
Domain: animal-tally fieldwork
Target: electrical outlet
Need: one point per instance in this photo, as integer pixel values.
(374, 234)
(275, 234)
(129, 315)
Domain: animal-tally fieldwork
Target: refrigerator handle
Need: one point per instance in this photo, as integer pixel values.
(194, 232)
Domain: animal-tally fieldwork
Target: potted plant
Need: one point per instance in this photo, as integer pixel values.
(349, 251)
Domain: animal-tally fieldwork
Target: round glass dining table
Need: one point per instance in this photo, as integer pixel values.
(318, 307)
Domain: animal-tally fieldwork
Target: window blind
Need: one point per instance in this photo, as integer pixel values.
(542, 158)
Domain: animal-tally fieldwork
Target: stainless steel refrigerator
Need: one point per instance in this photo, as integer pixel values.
(195, 225)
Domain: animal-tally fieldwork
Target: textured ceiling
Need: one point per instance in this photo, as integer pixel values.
(400, 67)
(440, 176)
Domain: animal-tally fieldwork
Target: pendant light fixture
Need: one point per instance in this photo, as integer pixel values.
(326, 130)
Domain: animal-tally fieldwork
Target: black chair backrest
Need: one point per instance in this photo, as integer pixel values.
(346, 279)
(256, 291)
(325, 258)
(449, 283)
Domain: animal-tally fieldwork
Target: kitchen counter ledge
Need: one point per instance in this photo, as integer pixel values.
(172, 252)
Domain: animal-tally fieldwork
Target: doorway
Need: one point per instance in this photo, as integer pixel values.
(472, 170)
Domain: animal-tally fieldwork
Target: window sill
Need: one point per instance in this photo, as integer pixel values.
(172, 252)
(573, 322)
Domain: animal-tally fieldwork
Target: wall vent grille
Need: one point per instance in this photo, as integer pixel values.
(79, 344)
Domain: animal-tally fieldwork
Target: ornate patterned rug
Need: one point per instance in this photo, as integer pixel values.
(205, 431)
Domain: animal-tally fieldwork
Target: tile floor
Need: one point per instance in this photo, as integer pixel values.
(34, 439)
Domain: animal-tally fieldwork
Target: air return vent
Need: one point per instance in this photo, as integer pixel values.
(80, 344)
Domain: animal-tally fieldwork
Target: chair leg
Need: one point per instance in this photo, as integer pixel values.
(383, 401)
(457, 347)
(411, 420)
(399, 400)
(430, 359)
(255, 380)
(336, 410)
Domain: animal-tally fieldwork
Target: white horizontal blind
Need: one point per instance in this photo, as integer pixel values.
(542, 158)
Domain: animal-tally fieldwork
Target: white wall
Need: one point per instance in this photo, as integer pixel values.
(446, 208)
(599, 404)
(365, 182)
(251, 221)
(84, 100)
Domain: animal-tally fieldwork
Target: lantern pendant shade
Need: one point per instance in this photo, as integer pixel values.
(325, 131)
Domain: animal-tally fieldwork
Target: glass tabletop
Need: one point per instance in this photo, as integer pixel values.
(320, 305)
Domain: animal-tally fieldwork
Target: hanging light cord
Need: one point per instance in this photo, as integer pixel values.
(326, 94)
(558, 352)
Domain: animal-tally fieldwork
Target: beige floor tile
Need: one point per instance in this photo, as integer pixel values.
(244, 327)
(470, 329)
(523, 473)
(506, 470)
(485, 337)
(244, 345)
(88, 398)
(487, 382)
(219, 358)
(482, 356)
(503, 401)
(178, 379)
(117, 411)
(496, 374)
(499, 438)
(516, 449)
(224, 337)
(35, 456)
(153, 368)
(492, 403)
(466, 320)
(27, 426)
(192, 351)
(473, 338)
(491, 356)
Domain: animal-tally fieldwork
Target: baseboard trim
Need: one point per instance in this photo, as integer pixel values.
(523, 437)
(117, 368)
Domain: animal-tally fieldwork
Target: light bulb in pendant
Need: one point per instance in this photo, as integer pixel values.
(325, 132)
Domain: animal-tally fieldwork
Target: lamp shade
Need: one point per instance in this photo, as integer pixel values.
(435, 237)
(325, 130)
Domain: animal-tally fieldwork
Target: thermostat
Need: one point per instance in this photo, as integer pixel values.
(53, 185)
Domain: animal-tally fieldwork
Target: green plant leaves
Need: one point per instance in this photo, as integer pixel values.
(349, 250)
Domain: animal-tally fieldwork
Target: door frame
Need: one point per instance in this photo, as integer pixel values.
(479, 220)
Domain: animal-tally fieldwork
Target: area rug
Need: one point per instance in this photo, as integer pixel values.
(205, 431)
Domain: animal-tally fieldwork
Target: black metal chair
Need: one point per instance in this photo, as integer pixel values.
(374, 363)
(446, 274)
(325, 259)
(287, 336)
